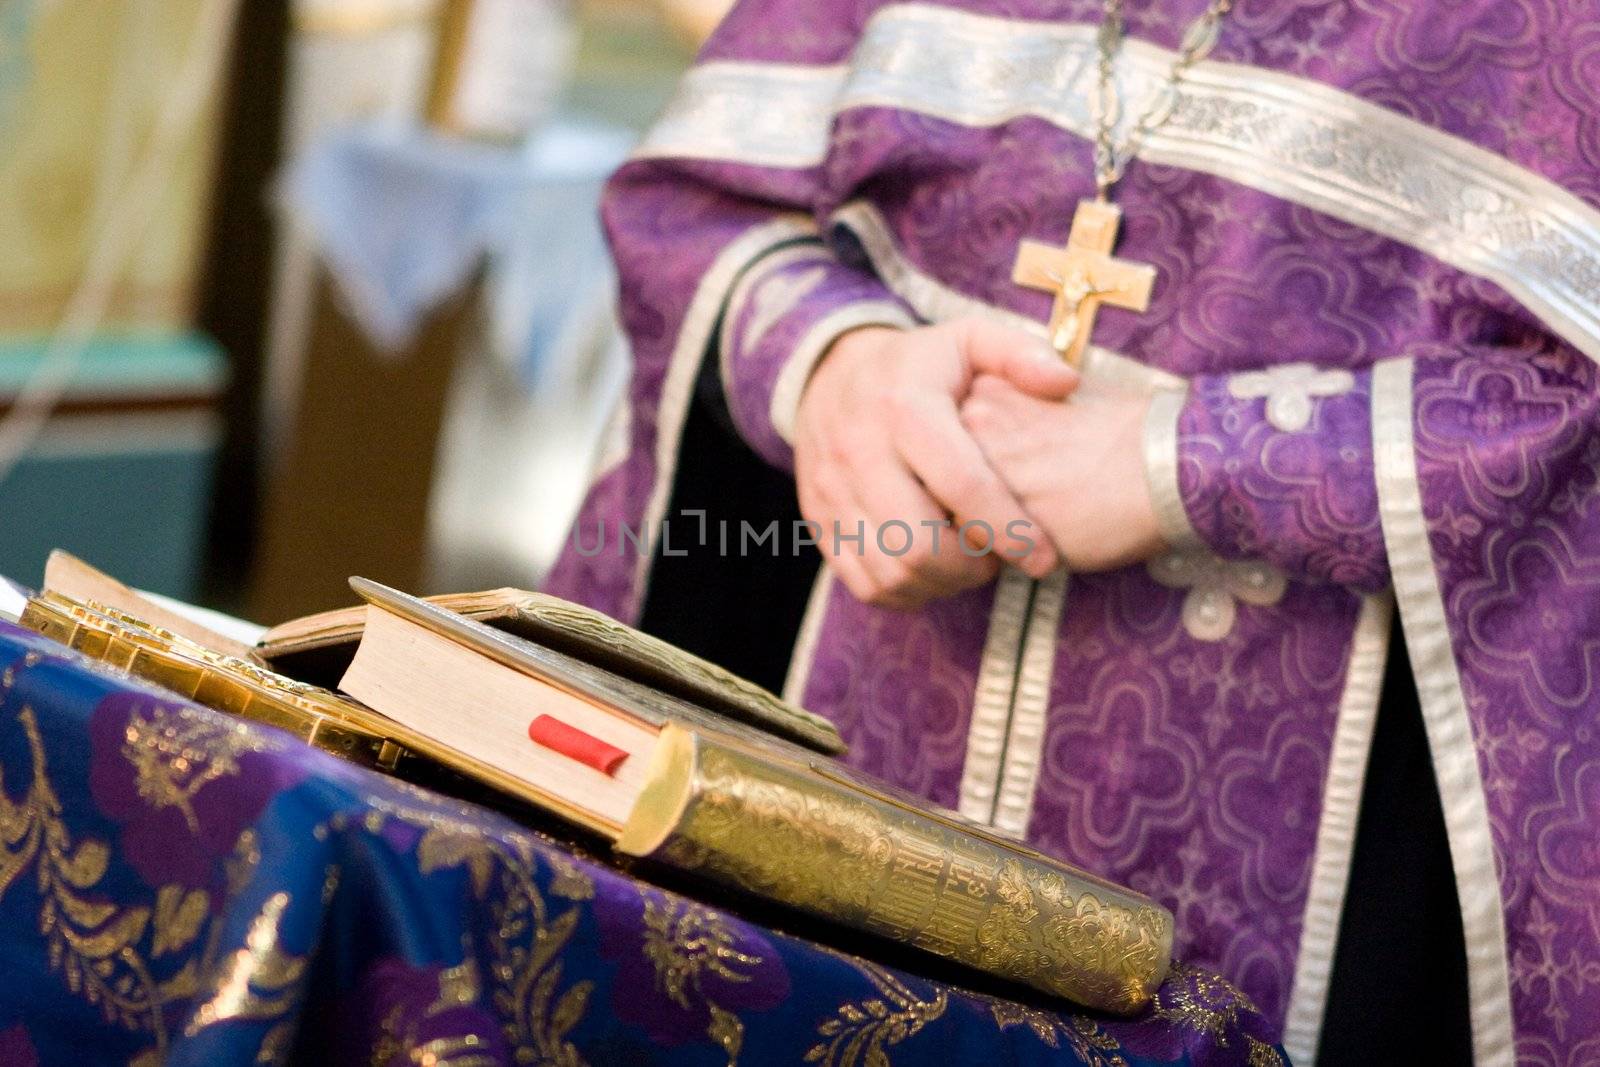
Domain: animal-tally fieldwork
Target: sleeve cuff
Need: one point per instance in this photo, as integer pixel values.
(781, 317)
(1161, 469)
(1273, 465)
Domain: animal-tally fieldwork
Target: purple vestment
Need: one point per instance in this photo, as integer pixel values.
(1371, 344)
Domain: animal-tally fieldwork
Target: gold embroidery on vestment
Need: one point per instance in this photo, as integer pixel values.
(91, 942)
(525, 937)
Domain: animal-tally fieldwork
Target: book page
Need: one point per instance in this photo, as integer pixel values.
(70, 576)
(483, 709)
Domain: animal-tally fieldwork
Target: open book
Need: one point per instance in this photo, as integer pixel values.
(319, 647)
(316, 649)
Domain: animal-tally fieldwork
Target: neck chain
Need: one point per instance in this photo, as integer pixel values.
(1085, 276)
(1110, 160)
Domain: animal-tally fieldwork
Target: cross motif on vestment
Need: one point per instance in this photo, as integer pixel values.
(1289, 389)
(1084, 275)
(1215, 585)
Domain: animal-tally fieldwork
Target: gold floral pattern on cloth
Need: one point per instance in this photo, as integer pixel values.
(401, 1031)
(861, 1031)
(1082, 1035)
(1210, 1004)
(176, 752)
(90, 942)
(1215, 586)
(178, 918)
(526, 935)
(685, 941)
(104, 951)
(1289, 390)
(258, 981)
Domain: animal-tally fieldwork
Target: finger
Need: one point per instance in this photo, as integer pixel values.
(1020, 358)
(980, 416)
(936, 446)
(898, 581)
(1007, 402)
(905, 524)
(882, 580)
(851, 571)
(819, 508)
(846, 537)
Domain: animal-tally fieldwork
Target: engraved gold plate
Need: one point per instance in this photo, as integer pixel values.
(845, 851)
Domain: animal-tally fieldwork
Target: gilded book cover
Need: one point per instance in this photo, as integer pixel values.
(330, 721)
(754, 812)
(845, 850)
(215, 679)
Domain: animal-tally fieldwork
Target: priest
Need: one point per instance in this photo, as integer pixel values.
(1194, 406)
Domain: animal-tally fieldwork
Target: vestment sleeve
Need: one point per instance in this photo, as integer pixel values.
(720, 254)
(1278, 465)
(780, 320)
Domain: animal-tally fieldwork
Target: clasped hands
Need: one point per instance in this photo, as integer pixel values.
(961, 448)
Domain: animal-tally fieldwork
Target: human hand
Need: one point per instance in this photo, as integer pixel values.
(879, 440)
(1076, 466)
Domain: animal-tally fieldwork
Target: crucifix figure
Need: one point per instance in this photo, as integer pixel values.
(1084, 275)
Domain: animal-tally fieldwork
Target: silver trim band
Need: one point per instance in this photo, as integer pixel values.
(1336, 832)
(1444, 712)
(763, 114)
(1291, 137)
(991, 701)
(805, 642)
(1030, 709)
(1161, 470)
(809, 249)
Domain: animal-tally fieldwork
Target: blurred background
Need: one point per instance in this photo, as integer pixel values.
(296, 290)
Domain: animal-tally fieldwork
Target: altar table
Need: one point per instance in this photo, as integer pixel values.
(182, 887)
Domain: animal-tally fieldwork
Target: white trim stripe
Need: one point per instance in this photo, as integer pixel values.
(810, 249)
(1291, 137)
(694, 340)
(805, 642)
(991, 703)
(1161, 469)
(1336, 832)
(1030, 709)
(711, 114)
(1444, 712)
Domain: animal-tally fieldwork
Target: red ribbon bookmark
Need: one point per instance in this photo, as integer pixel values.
(575, 744)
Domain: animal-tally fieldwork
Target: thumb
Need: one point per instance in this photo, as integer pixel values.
(1020, 358)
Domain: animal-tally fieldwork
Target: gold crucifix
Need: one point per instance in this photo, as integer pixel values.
(1084, 275)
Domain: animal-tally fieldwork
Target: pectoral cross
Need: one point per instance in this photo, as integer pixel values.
(1083, 276)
